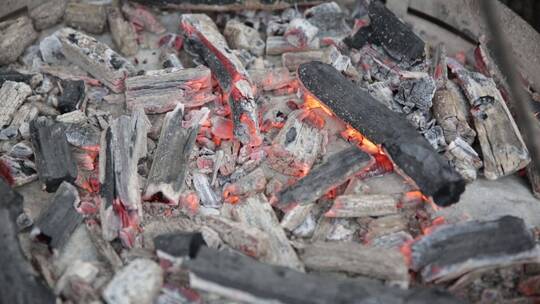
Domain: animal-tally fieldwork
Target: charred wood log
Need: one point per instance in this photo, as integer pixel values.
(452, 250)
(206, 41)
(407, 148)
(388, 32)
(333, 172)
(60, 219)
(245, 279)
(18, 283)
(54, 159)
(227, 5)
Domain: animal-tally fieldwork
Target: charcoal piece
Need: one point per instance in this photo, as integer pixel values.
(18, 283)
(47, 13)
(85, 136)
(245, 279)
(122, 32)
(208, 43)
(89, 17)
(142, 17)
(54, 160)
(103, 248)
(271, 79)
(60, 219)
(207, 195)
(15, 36)
(227, 5)
(407, 148)
(168, 171)
(416, 93)
(333, 172)
(277, 45)
(168, 58)
(12, 96)
(354, 205)
(12, 75)
(330, 20)
(73, 92)
(472, 244)
(23, 171)
(180, 244)
(241, 36)
(300, 32)
(387, 31)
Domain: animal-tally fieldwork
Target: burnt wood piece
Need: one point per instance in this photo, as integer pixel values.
(333, 172)
(54, 160)
(451, 249)
(12, 96)
(204, 39)
(245, 279)
(330, 19)
(503, 149)
(377, 263)
(18, 283)
(300, 32)
(277, 45)
(168, 172)
(387, 31)
(60, 219)
(15, 36)
(161, 91)
(103, 247)
(180, 244)
(228, 5)
(88, 17)
(73, 92)
(95, 58)
(122, 32)
(408, 149)
(23, 171)
(47, 13)
(11, 75)
(168, 57)
(361, 205)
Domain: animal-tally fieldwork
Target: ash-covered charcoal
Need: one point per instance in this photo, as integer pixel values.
(58, 221)
(382, 92)
(387, 31)
(12, 96)
(179, 244)
(452, 250)
(23, 171)
(96, 58)
(385, 225)
(168, 57)
(416, 93)
(21, 120)
(300, 32)
(329, 19)
(162, 90)
(208, 196)
(241, 36)
(277, 45)
(360, 205)
(122, 32)
(207, 42)
(435, 137)
(54, 160)
(227, 5)
(296, 216)
(47, 13)
(89, 17)
(12, 75)
(168, 172)
(244, 279)
(18, 282)
(254, 182)
(377, 263)
(142, 18)
(73, 92)
(22, 149)
(333, 172)
(404, 145)
(15, 36)
(293, 60)
(503, 149)
(50, 49)
(465, 159)
(85, 136)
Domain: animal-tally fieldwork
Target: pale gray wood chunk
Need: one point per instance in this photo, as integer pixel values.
(89, 17)
(15, 36)
(12, 96)
(360, 205)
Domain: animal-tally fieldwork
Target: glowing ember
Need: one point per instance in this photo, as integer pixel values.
(311, 102)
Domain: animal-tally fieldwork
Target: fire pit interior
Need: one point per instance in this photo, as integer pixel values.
(166, 151)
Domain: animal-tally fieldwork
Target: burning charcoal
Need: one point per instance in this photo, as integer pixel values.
(333, 172)
(60, 219)
(137, 283)
(143, 18)
(18, 283)
(230, 151)
(54, 160)
(406, 147)
(450, 111)
(84, 136)
(452, 250)
(271, 79)
(15, 36)
(378, 263)
(122, 32)
(277, 45)
(168, 172)
(252, 183)
(123, 144)
(23, 171)
(12, 96)
(300, 32)
(363, 205)
(416, 93)
(330, 20)
(296, 147)
(239, 236)
(181, 244)
(169, 58)
(208, 197)
(246, 280)
(161, 91)
(503, 149)
(465, 159)
(48, 13)
(256, 211)
(89, 17)
(388, 32)
(95, 58)
(14, 76)
(241, 36)
(207, 42)
(384, 226)
(222, 128)
(73, 92)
